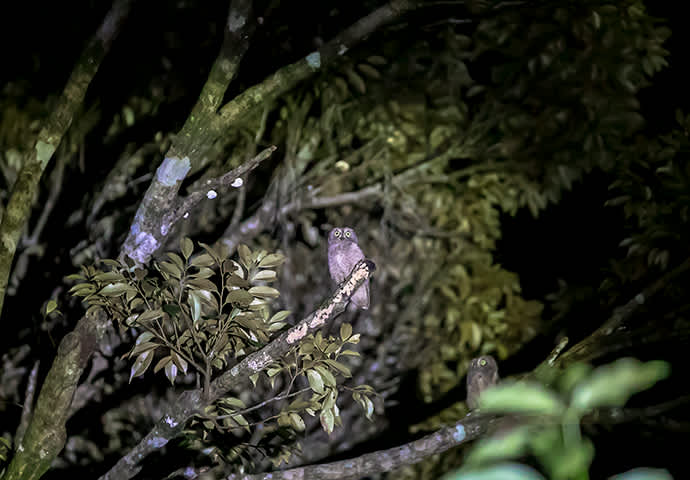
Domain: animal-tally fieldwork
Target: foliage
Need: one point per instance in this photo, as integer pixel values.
(198, 311)
(190, 313)
(549, 424)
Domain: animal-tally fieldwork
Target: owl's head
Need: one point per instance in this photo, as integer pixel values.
(342, 234)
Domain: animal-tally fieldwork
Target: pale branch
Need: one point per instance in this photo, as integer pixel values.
(46, 434)
(238, 29)
(193, 401)
(289, 76)
(584, 350)
(469, 428)
(156, 213)
(232, 178)
(28, 406)
(24, 190)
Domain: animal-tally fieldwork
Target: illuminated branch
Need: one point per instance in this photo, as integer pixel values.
(24, 190)
(193, 401)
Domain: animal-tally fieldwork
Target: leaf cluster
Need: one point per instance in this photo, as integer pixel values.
(192, 310)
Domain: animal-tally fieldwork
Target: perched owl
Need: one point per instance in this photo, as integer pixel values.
(343, 255)
(482, 374)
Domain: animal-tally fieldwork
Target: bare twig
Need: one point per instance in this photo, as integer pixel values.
(232, 178)
(584, 349)
(27, 409)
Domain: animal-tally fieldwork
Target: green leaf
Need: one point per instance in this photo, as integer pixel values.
(195, 306)
(503, 471)
(264, 276)
(511, 445)
(315, 381)
(202, 260)
(50, 306)
(149, 315)
(171, 372)
(140, 365)
(345, 331)
(327, 376)
(114, 289)
(264, 292)
(176, 259)
(279, 316)
(613, 384)
(643, 473)
(245, 255)
(232, 402)
(296, 421)
(520, 398)
(239, 297)
(327, 419)
(187, 247)
(171, 269)
(215, 255)
(339, 367)
(162, 363)
(572, 461)
(272, 260)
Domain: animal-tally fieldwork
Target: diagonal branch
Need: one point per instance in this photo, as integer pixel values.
(46, 434)
(584, 350)
(466, 430)
(289, 76)
(193, 401)
(152, 221)
(25, 188)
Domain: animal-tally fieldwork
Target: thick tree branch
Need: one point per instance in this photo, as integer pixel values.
(289, 76)
(467, 429)
(155, 216)
(45, 436)
(24, 190)
(193, 401)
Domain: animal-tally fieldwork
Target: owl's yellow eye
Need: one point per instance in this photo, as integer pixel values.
(347, 234)
(337, 233)
(482, 362)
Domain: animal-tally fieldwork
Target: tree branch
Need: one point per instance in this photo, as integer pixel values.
(469, 428)
(27, 409)
(232, 178)
(193, 401)
(46, 434)
(153, 219)
(584, 350)
(289, 76)
(24, 190)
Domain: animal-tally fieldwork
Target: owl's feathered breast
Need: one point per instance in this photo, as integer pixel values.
(342, 257)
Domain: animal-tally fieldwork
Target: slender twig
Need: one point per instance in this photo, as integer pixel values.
(231, 178)
(27, 409)
(584, 349)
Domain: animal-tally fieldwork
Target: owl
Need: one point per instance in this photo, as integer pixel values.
(343, 255)
(482, 374)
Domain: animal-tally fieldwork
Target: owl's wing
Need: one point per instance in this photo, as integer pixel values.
(361, 296)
